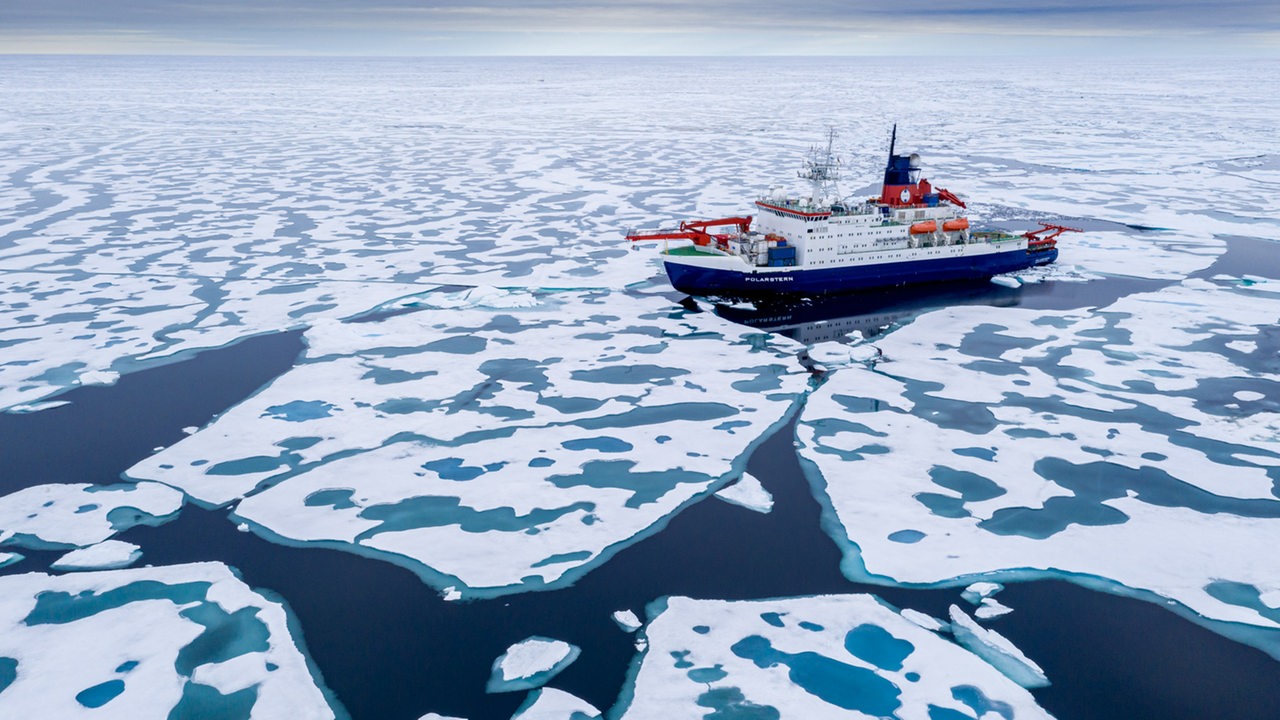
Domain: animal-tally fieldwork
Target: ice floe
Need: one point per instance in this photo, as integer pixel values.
(979, 591)
(625, 619)
(553, 704)
(1091, 444)
(494, 452)
(78, 514)
(151, 642)
(747, 492)
(106, 555)
(997, 650)
(813, 657)
(990, 609)
(530, 663)
(9, 558)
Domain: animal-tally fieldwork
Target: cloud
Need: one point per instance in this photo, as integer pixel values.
(647, 27)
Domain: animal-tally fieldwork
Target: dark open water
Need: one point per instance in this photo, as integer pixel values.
(390, 648)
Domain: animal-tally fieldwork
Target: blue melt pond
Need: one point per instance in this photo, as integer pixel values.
(300, 410)
(602, 444)
(453, 469)
(877, 646)
(834, 682)
(907, 537)
(99, 695)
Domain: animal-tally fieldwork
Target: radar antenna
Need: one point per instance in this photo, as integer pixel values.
(822, 170)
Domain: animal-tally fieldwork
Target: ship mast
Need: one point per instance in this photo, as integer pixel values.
(822, 170)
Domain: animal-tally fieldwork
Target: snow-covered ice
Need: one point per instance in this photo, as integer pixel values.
(996, 649)
(553, 704)
(78, 515)
(150, 642)
(924, 620)
(494, 452)
(106, 555)
(747, 492)
(627, 620)
(1093, 444)
(990, 609)
(981, 590)
(1018, 442)
(530, 663)
(814, 657)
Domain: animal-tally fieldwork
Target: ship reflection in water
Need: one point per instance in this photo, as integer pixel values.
(835, 317)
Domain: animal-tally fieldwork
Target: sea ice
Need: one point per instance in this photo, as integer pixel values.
(553, 704)
(530, 663)
(747, 492)
(9, 558)
(1087, 444)
(990, 608)
(106, 555)
(494, 452)
(98, 377)
(979, 591)
(813, 657)
(997, 650)
(625, 619)
(924, 620)
(78, 514)
(180, 641)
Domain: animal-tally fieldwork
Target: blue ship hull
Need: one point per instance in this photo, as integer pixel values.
(710, 281)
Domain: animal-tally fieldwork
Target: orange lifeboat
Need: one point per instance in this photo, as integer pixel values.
(957, 224)
(927, 226)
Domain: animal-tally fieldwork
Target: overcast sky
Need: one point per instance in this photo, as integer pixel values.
(652, 27)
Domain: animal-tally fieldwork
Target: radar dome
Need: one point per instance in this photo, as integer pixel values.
(913, 162)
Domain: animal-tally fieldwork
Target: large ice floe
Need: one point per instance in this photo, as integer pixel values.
(1134, 447)
(815, 657)
(181, 641)
(494, 451)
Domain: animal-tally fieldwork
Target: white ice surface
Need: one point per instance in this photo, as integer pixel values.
(1128, 393)
(747, 492)
(64, 644)
(553, 704)
(738, 656)
(178, 222)
(532, 656)
(106, 555)
(627, 620)
(997, 650)
(78, 514)
(981, 590)
(924, 620)
(530, 663)
(491, 451)
(990, 608)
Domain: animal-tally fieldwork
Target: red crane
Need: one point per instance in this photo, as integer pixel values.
(696, 230)
(1036, 241)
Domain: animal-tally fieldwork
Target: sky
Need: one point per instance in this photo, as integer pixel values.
(649, 27)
